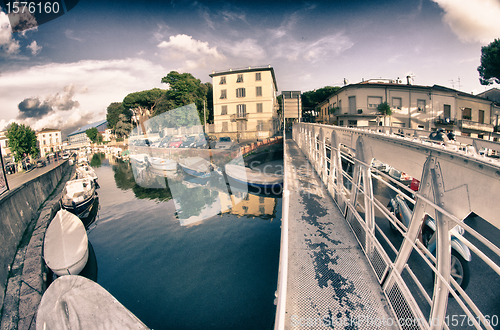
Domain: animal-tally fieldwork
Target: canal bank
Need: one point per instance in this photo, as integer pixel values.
(26, 271)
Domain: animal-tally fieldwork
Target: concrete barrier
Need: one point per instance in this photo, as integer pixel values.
(18, 208)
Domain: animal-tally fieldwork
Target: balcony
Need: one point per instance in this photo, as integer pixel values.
(472, 125)
(444, 121)
(239, 116)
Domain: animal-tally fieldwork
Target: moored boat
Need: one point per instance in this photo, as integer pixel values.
(86, 170)
(78, 196)
(253, 178)
(75, 302)
(163, 166)
(196, 166)
(65, 248)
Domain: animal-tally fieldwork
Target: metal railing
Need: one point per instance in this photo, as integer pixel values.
(415, 261)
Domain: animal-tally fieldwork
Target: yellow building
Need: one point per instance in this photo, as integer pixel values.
(245, 102)
(49, 140)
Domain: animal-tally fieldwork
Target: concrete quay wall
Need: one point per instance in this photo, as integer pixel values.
(18, 207)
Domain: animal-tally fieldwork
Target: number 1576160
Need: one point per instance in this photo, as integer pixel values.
(24, 7)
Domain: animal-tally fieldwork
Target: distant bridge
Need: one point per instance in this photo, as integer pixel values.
(417, 287)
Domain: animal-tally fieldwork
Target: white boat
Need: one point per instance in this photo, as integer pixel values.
(75, 302)
(162, 166)
(139, 160)
(257, 179)
(78, 196)
(65, 248)
(85, 171)
(196, 166)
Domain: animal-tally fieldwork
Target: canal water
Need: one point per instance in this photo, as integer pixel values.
(217, 273)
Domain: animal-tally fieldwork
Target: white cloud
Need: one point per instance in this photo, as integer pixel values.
(472, 21)
(91, 84)
(35, 49)
(70, 34)
(7, 44)
(246, 49)
(190, 53)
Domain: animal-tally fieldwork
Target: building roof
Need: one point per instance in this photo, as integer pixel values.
(492, 94)
(44, 130)
(248, 69)
(86, 127)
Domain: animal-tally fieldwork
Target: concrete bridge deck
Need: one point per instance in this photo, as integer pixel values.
(330, 283)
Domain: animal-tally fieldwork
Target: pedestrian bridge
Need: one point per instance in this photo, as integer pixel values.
(393, 273)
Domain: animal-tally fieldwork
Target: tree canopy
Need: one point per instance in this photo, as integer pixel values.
(113, 112)
(311, 99)
(384, 108)
(92, 134)
(22, 141)
(123, 126)
(489, 70)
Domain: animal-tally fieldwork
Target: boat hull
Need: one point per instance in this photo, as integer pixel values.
(80, 209)
(66, 244)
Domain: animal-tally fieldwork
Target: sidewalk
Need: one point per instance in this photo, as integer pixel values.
(28, 275)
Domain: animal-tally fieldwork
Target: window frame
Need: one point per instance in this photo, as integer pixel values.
(258, 76)
(419, 109)
(223, 110)
(261, 106)
(239, 78)
(222, 80)
(400, 103)
(240, 92)
(258, 91)
(373, 105)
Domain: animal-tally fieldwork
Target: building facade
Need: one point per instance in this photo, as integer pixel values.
(79, 137)
(412, 106)
(49, 140)
(245, 103)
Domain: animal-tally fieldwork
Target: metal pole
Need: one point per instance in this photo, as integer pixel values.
(3, 170)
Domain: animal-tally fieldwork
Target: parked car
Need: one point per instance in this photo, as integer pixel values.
(225, 142)
(40, 163)
(175, 142)
(10, 168)
(188, 142)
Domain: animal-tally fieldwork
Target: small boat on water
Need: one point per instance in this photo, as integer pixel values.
(65, 248)
(139, 161)
(253, 178)
(75, 302)
(162, 166)
(196, 166)
(86, 170)
(78, 196)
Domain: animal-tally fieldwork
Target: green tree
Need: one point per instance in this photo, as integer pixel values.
(385, 109)
(489, 70)
(113, 112)
(185, 89)
(22, 141)
(311, 99)
(92, 134)
(123, 126)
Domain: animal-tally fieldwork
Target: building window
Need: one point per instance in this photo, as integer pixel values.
(223, 94)
(224, 126)
(222, 80)
(446, 111)
(241, 110)
(240, 92)
(352, 104)
(374, 101)
(258, 91)
(50, 135)
(396, 103)
(56, 134)
(241, 126)
(257, 76)
(44, 142)
(481, 117)
(421, 105)
(43, 135)
(467, 113)
(352, 123)
(259, 107)
(260, 125)
(240, 78)
(341, 123)
(223, 110)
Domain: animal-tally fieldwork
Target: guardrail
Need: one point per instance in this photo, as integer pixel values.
(420, 264)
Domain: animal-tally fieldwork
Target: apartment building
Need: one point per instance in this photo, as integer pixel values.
(49, 140)
(245, 102)
(413, 106)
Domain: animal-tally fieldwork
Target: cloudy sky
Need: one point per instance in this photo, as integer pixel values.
(64, 73)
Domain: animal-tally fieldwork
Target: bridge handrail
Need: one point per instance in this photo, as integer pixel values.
(451, 187)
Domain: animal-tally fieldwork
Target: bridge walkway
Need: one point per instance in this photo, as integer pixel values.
(330, 282)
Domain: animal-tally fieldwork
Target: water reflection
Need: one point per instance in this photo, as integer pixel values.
(195, 198)
(97, 159)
